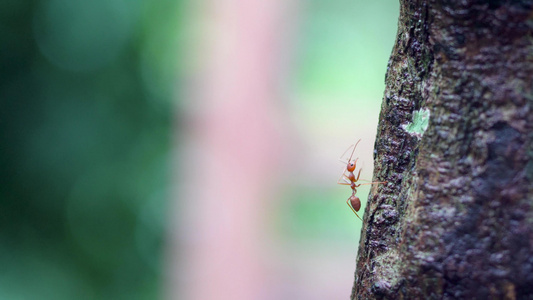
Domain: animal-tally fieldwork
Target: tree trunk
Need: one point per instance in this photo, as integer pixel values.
(455, 220)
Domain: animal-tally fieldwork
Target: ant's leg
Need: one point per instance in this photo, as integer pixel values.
(359, 174)
(348, 202)
(345, 178)
(343, 174)
(346, 181)
(339, 180)
(364, 180)
(375, 182)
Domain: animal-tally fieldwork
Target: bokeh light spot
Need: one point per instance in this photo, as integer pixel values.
(79, 35)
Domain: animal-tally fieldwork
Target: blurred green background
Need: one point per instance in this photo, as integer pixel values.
(341, 60)
(90, 109)
(87, 91)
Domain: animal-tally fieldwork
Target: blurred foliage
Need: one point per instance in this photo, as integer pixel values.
(342, 55)
(86, 112)
(345, 47)
(320, 214)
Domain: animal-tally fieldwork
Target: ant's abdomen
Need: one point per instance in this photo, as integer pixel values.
(355, 202)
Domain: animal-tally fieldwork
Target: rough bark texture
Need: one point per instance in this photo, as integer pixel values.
(455, 220)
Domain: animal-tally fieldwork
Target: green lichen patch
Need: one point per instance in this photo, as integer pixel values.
(419, 124)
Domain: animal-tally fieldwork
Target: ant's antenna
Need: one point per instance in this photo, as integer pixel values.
(353, 151)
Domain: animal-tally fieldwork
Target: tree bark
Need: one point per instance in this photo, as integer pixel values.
(455, 220)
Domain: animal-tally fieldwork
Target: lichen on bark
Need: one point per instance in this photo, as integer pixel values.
(455, 220)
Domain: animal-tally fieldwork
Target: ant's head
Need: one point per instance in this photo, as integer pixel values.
(351, 165)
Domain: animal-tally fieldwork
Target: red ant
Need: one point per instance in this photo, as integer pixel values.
(353, 202)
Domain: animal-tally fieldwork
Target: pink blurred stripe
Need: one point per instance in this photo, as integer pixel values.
(232, 154)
